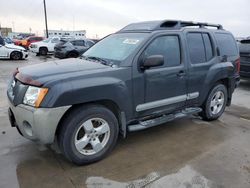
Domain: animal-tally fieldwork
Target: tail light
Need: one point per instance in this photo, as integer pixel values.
(238, 65)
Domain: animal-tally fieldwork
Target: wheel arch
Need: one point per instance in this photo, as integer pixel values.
(226, 82)
(43, 47)
(14, 51)
(109, 104)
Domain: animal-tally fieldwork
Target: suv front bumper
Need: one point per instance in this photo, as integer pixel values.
(37, 124)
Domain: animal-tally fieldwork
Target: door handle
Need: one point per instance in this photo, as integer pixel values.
(181, 73)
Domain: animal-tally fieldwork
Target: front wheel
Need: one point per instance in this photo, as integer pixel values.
(43, 51)
(16, 55)
(88, 134)
(215, 104)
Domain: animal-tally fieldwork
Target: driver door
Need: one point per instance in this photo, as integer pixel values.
(166, 85)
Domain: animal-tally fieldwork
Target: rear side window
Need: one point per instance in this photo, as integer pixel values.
(90, 43)
(208, 46)
(78, 43)
(200, 47)
(196, 48)
(168, 47)
(226, 44)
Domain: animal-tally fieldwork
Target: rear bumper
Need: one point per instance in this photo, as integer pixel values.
(245, 74)
(59, 54)
(245, 69)
(37, 124)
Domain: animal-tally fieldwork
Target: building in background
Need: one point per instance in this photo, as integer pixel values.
(4, 31)
(62, 33)
(19, 35)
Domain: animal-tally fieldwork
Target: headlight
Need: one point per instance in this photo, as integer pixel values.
(34, 96)
(33, 46)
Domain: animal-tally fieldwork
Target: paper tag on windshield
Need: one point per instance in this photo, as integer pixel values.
(130, 41)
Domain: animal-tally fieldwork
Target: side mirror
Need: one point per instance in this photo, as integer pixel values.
(153, 61)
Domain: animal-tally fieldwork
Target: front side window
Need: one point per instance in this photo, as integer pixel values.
(168, 47)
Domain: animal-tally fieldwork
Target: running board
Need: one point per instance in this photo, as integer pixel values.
(162, 119)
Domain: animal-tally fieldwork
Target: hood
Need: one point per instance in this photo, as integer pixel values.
(59, 70)
(13, 46)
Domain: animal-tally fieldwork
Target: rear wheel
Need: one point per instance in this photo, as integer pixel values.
(16, 55)
(72, 55)
(88, 134)
(43, 51)
(215, 103)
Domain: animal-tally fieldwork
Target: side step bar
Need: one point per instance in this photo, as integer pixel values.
(162, 119)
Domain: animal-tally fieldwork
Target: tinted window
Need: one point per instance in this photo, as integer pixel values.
(55, 40)
(196, 48)
(208, 46)
(90, 43)
(226, 44)
(78, 43)
(168, 47)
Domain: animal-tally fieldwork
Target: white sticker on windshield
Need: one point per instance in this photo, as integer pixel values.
(130, 41)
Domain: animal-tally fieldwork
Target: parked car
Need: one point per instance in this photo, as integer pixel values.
(26, 42)
(8, 40)
(11, 51)
(72, 48)
(244, 46)
(17, 42)
(144, 75)
(44, 47)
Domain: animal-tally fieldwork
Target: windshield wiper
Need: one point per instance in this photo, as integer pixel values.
(101, 60)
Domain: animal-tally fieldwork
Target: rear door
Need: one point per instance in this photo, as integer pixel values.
(201, 57)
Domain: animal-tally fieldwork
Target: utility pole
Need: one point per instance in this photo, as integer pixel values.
(45, 14)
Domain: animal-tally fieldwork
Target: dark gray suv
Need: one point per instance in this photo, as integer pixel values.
(244, 46)
(144, 75)
(72, 48)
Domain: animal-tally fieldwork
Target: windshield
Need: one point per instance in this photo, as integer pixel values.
(116, 47)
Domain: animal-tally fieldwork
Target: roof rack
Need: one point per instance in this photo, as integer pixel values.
(166, 24)
(200, 24)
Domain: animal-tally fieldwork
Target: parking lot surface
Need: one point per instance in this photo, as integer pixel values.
(184, 153)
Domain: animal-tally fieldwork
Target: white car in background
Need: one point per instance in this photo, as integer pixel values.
(11, 51)
(44, 47)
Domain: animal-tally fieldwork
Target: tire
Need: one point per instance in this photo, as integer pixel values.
(215, 103)
(72, 55)
(43, 51)
(98, 129)
(16, 55)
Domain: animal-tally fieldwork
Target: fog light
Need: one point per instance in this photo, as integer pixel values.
(27, 128)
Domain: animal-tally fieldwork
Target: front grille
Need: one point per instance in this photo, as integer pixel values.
(245, 59)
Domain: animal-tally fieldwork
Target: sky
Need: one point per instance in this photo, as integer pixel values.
(102, 17)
